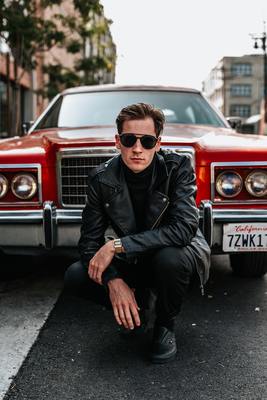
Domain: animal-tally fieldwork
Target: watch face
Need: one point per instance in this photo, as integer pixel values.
(117, 245)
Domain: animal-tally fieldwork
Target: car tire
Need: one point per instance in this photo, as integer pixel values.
(249, 265)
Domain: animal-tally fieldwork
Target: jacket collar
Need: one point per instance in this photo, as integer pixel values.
(113, 175)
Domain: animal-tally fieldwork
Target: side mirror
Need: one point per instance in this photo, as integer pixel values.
(234, 122)
(25, 126)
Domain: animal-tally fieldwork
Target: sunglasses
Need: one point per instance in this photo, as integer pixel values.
(129, 139)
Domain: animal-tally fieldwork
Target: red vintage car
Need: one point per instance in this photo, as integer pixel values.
(43, 175)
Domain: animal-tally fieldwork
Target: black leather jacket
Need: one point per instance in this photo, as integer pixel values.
(171, 217)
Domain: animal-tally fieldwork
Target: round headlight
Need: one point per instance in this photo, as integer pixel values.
(256, 183)
(24, 186)
(229, 184)
(3, 186)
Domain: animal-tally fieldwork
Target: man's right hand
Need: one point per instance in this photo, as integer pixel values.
(125, 308)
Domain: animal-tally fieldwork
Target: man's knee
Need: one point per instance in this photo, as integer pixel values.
(78, 283)
(170, 262)
(75, 277)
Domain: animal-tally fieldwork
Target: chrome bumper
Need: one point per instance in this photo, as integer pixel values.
(212, 220)
(49, 228)
(58, 228)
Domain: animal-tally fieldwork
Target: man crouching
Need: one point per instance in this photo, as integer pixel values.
(147, 196)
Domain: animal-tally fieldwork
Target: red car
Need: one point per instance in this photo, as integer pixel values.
(43, 175)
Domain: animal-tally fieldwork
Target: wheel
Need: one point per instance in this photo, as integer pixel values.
(250, 265)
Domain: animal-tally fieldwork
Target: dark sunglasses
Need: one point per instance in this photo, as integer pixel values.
(129, 139)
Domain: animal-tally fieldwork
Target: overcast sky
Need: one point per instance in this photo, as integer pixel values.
(177, 42)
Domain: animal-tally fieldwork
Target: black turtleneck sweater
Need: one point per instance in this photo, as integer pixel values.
(138, 186)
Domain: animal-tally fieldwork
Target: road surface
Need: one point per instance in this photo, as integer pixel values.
(78, 353)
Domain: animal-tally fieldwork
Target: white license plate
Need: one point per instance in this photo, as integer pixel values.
(245, 237)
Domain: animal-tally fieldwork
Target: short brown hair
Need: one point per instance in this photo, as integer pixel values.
(141, 111)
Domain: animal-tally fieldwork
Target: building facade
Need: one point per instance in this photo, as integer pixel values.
(99, 44)
(236, 85)
(7, 93)
(30, 84)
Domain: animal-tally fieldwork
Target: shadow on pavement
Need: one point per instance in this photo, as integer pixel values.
(17, 266)
(221, 338)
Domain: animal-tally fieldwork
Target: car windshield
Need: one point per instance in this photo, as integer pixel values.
(101, 108)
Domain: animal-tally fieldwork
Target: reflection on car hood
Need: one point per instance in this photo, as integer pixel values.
(172, 133)
(205, 136)
(210, 138)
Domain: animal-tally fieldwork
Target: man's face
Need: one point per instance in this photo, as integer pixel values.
(137, 158)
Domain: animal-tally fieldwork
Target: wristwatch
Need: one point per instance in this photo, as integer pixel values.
(117, 246)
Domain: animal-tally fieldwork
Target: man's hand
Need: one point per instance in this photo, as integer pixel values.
(125, 308)
(101, 261)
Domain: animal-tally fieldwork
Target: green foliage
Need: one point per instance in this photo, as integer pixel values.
(74, 46)
(28, 35)
(85, 7)
(59, 79)
(82, 32)
(49, 3)
(93, 63)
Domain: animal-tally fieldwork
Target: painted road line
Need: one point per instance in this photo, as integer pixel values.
(25, 305)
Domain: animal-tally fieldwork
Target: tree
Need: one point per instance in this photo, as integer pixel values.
(27, 35)
(83, 33)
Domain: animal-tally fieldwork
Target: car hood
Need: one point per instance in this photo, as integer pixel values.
(204, 136)
(212, 139)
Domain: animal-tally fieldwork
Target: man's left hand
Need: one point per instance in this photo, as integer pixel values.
(101, 261)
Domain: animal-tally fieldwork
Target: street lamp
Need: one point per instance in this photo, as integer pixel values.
(260, 42)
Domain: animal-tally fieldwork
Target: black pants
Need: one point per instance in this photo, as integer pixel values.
(167, 270)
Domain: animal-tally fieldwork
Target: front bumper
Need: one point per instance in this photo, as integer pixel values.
(52, 228)
(47, 228)
(212, 221)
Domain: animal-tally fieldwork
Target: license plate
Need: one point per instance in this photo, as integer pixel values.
(245, 237)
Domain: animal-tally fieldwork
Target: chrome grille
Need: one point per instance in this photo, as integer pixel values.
(74, 166)
(74, 173)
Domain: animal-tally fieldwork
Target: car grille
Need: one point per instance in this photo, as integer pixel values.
(74, 173)
(74, 168)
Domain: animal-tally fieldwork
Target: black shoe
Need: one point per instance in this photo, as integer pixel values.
(164, 346)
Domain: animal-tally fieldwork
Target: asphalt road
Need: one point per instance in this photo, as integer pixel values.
(79, 353)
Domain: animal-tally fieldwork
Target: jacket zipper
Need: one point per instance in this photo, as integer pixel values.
(201, 283)
(159, 217)
(202, 289)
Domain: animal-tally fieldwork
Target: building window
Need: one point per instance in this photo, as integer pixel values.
(244, 69)
(240, 110)
(241, 90)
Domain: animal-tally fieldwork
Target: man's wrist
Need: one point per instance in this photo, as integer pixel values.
(110, 247)
(113, 282)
